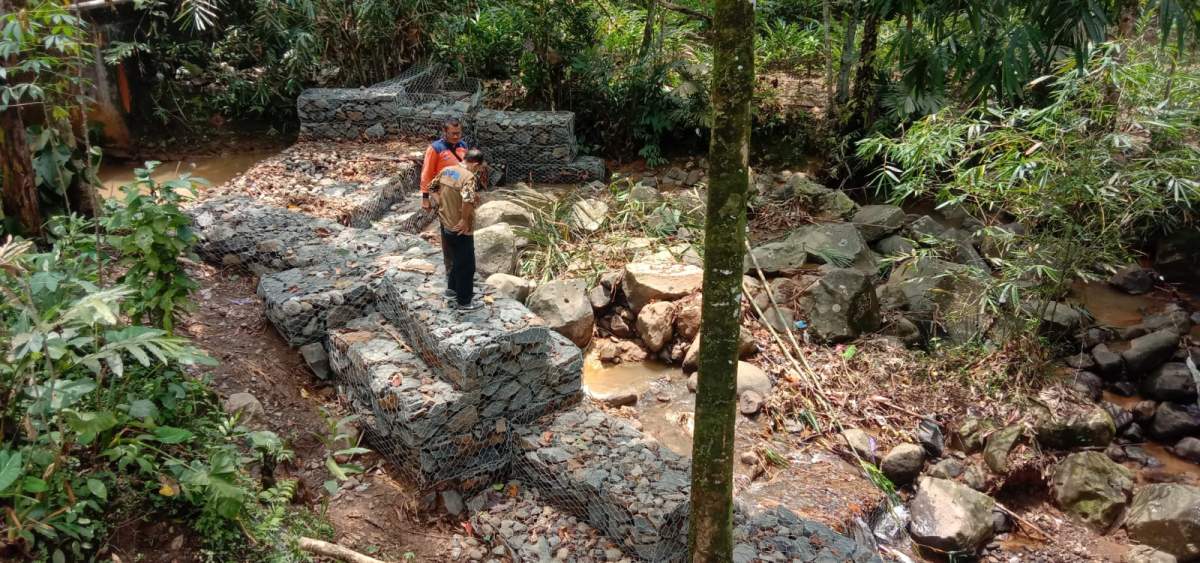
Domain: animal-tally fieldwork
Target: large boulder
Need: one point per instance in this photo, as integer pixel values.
(878, 221)
(496, 250)
(1150, 351)
(1188, 448)
(839, 243)
(655, 324)
(820, 201)
(938, 295)
(998, 446)
(950, 517)
(1147, 554)
(776, 257)
(565, 307)
(1171, 382)
(659, 281)
(1057, 319)
(1177, 257)
(1074, 426)
(502, 211)
(1173, 421)
(746, 348)
(511, 286)
(894, 245)
(1167, 517)
(841, 306)
(1092, 487)
(1108, 363)
(588, 214)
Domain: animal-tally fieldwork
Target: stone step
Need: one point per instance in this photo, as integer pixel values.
(501, 344)
(606, 471)
(527, 528)
(304, 303)
(497, 127)
(582, 169)
(239, 231)
(431, 430)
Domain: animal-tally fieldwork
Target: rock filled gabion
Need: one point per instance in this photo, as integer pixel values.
(522, 368)
(242, 233)
(538, 146)
(779, 535)
(618, 479)
(526, 528)
(432, 430)
(304, 303)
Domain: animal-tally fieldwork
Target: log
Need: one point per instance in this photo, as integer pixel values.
(334, 550)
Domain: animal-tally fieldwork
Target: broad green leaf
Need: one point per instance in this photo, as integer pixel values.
(352, 451)
(172, 435)
(10, 468)
(335, 469)
(34, 485)
(143, 409)
(91, 422)
(98, 489)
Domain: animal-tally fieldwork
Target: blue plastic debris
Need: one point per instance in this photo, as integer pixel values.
(801, 325)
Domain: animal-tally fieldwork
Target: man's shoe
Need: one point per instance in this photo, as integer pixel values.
(449, 293)
(472, 306)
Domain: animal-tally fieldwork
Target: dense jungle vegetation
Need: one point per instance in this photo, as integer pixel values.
(1075, 118)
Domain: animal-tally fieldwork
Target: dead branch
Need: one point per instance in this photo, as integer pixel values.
(334, 550)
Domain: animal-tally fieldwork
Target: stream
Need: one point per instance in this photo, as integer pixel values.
(216, 169)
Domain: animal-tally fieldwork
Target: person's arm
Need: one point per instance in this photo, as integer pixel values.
(428, 172)
(466, 225)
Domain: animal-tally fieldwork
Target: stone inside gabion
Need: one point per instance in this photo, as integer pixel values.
(538, 146)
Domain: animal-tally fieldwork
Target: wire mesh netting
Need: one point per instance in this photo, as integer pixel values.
(481, 405)
(532, 146)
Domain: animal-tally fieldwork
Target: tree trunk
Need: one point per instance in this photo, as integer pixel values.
(862, 101)
(19, 191)
(711, 522)
(1127, 14)
(827, 19)
(847, 62)
(648, 30)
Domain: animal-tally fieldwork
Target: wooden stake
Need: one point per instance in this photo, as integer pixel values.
(334, 550)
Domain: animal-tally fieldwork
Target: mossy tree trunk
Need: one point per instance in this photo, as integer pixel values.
(711, 521)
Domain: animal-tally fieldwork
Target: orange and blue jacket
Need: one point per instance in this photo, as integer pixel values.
(439, 156)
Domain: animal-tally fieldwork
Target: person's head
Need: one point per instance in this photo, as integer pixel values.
(474, 159)
(452, 130)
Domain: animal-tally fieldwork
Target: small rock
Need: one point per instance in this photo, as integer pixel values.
(948, 468)
(929, 434)
(246, 405)
(655, 324)
(878, 221)
(453, 502)
(1089, 428)
(588, 214)
(1143, 411)
(692, 381)
(975, 477)
(1133, 279)
(750, 402)
(751, 378)
(999, 444)
(1082, 361)
(1173, 421)
(749, 458)
(1171, 382)
(860, 443)
(1108, 363)
(1188, 448)
(950, 517)
(903, 463)
(1146, 554)
(510, 286)
(1150, 351)
(1088, 384)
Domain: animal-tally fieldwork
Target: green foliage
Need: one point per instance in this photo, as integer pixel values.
(1089, 175)
(151, 234)
(337, 439)
(100, 417)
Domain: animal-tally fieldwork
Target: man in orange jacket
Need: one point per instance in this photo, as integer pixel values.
(443, 153)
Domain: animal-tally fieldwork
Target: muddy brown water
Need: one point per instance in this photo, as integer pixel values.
(216, 169)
